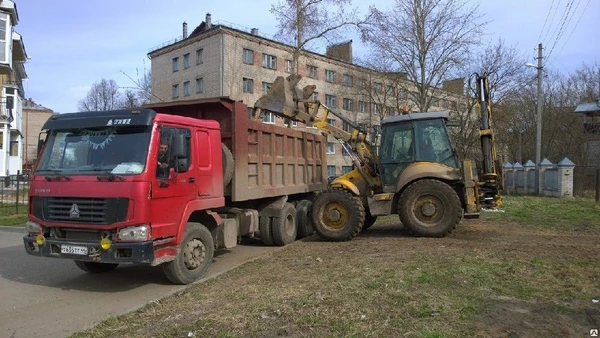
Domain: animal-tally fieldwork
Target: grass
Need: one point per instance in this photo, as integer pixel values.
(533, 268)
(9, 216)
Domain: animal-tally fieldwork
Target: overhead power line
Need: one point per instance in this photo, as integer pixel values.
(573, 30)
(562, 26)
(545, 21)
(551, 21)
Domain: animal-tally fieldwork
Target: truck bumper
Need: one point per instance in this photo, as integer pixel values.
(141, 252)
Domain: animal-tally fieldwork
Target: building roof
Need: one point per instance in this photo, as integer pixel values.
(29, 104)
(590, 107)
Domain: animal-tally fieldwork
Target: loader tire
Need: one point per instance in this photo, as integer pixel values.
(228, 165)
(284, 227)
(369, 220)
(303, 220)
(264, 229)
(194, 257)
(337, 215)
(429, 208)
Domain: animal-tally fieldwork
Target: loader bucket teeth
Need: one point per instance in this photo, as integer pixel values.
(282, 99)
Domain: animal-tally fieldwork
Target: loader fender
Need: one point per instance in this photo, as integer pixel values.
(344, 183)
(427, 170)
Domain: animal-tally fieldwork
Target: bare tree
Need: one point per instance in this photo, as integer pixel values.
(130, 100)
(302, 22)
(104, 95)
(426, 39)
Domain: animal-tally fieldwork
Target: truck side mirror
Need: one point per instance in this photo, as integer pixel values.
(179, 146)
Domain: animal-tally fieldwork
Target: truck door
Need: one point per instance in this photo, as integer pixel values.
(171, 190)
(204, 160)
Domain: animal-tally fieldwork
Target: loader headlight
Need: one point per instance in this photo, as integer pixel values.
(136, 233)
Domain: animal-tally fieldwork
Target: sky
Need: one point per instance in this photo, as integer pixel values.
(74, 43)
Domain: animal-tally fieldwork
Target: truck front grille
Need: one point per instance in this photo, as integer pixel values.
(82, 210)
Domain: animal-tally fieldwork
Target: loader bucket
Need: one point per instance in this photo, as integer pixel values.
(285, 99)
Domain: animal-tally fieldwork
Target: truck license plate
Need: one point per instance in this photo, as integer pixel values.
(74, 250)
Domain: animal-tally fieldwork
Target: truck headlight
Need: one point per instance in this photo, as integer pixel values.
(136, 233)
(32, 227)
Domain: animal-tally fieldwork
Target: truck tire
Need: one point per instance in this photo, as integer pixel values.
(303, 220)
(264, 228)
(337, 215)
(228, 165)
(284, 227)
(369, 220)
(95, 267)
(429, 208)
(195, 255)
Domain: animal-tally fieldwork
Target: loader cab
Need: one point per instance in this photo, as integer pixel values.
(412, 138)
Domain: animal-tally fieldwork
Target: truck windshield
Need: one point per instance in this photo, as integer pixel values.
(116, 150)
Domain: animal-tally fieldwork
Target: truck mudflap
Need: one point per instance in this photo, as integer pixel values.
(140, 252)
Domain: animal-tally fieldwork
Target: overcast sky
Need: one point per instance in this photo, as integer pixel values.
(73, 43)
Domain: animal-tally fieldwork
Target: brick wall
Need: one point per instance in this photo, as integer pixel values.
(33, 120)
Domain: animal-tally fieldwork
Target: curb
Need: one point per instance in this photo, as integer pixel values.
(12, 229)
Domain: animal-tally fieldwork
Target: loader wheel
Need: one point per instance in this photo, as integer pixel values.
(284, 227)
(430, 208)
(228, 165)
(264, 228)
(194, 258)
(369, 220)
(95, 267)
(303, 220)
(337, 215)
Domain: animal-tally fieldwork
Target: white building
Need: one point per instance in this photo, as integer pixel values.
(12, 74)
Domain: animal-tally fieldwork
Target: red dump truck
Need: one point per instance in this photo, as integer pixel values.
(168, 184)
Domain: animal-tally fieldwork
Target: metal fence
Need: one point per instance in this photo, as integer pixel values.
(14, 194)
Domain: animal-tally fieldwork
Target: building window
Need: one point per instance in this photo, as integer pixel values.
(250, 111)
(331, 121)
(329, 75)
(199, 85)
(313, 72)
(347, 104)
(269, 118)
(330, 170)
(378, 87)
(269, 61)
(414, 96)
(14, 148)
(435, 101)
(346, 169)
(348, 80)
(176, 64)
(1, 140)
(186, 61)
(175, 91)
(248, 85)
(186, 88)
(390, 91)
(289, 122)
(362, 83)
(199, 56)
(330, 148)
(362, 106)
(266, 86)
(288, 66)
(444, 103)
(330, 101)
(248, 56)
(4, 28)
(315, 96)
(402, 95)
(347, 127)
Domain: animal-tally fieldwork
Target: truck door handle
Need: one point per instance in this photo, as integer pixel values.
(191, 180)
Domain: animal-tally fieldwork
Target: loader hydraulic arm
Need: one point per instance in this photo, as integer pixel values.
(286, 100)
(490, 181)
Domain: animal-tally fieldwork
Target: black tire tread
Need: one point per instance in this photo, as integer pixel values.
(303, 220)
(264, 229)
(356, 211)
(280, 236)
(228, 165)
(176, 271)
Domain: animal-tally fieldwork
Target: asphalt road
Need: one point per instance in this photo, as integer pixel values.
(47, 297)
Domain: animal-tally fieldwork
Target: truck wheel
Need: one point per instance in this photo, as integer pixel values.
(264, 228)
(195, 255)
(284, 227)
(337, 215)
(303, 221)
(95, 267)
(430, 208)
(228, 165)
(369, 220)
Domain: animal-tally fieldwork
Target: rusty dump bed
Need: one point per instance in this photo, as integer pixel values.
(270, 160)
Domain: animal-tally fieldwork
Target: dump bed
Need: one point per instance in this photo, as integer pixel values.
(270, 160)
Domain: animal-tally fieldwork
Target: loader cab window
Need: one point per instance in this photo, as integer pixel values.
(396, 152)
(433, 144)
(165, 159)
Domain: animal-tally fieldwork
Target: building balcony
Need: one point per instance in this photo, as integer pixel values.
(10, 7)
(18, 52)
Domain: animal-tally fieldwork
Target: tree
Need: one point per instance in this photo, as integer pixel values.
(104, 95)
(301, 22)
(130, 99)
(427, 40)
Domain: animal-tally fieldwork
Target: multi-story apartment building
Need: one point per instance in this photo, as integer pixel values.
(218, 60)
(12, 74)
(34, 117)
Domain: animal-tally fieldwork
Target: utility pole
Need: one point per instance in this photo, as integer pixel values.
(538, 142)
